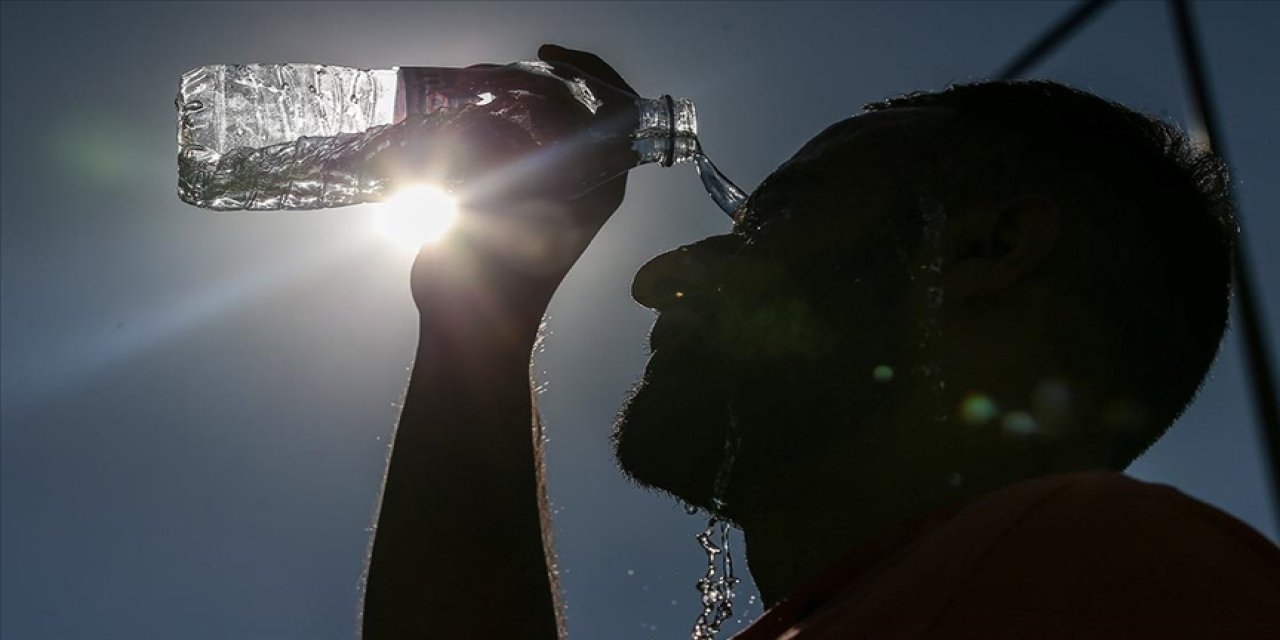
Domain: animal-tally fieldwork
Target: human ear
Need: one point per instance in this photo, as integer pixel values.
(995, 248)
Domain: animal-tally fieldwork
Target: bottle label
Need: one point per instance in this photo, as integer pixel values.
(426, 90)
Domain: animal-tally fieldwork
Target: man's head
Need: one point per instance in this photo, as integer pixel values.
(994, 281)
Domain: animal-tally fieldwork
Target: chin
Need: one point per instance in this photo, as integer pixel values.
(670, 433)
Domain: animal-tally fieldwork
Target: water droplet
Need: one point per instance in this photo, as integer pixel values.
(311, 88)
(690, 509)
(631, 572)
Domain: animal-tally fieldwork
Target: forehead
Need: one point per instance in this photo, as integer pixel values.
(864, 161)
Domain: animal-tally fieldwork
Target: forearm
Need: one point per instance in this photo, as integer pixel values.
(459, 547)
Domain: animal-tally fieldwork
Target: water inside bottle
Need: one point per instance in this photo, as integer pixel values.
(310, 173)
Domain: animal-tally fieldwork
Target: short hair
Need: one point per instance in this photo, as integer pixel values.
(1153, 223)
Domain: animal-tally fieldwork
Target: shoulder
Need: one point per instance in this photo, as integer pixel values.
(1105, 553)
(1087, 555)
(1102, 509)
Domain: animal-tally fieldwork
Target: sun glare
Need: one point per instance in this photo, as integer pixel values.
(416, 216)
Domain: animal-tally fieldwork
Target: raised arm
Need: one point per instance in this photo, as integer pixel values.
(461, 548)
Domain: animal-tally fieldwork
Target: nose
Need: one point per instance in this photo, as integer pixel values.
(687, 271)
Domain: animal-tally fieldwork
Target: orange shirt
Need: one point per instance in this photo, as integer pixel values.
(1084, 555)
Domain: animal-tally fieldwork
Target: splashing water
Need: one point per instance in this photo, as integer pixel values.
(715, 586)
(929, 330)
(719, 581)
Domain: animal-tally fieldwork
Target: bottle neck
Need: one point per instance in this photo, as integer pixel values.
(667, 131)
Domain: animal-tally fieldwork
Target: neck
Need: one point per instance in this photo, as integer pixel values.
(863, 490)
(908, 465)
(792, 546)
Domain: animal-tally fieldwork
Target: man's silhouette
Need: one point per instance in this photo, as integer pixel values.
(937, 332)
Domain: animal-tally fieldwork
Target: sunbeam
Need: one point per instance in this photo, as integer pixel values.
(417, 215)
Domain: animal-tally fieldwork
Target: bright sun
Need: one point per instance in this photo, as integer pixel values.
(416, 216)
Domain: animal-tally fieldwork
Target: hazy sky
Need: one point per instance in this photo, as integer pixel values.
(196, 405)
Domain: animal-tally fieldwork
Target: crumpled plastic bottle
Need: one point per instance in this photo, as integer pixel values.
(302, 136)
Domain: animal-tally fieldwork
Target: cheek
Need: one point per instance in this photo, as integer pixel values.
(777, 331)
(772, 310)
(671, 433)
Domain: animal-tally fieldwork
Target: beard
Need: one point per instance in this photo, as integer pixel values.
(670, 433)
(789, 411)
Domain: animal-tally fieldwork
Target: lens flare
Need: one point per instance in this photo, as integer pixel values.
(417, 215)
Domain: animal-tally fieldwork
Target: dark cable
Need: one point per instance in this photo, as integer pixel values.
(1257, 357)
(1055, 36)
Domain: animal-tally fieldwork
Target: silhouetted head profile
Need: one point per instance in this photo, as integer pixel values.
(947, 293)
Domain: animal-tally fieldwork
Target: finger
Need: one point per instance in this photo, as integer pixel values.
(588, 63)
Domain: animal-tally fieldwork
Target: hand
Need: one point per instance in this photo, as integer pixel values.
(594, 207)
(509, 257)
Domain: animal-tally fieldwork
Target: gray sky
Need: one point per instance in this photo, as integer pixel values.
(196, 405)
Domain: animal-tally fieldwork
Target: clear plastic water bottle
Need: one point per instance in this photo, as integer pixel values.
(305, 136)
